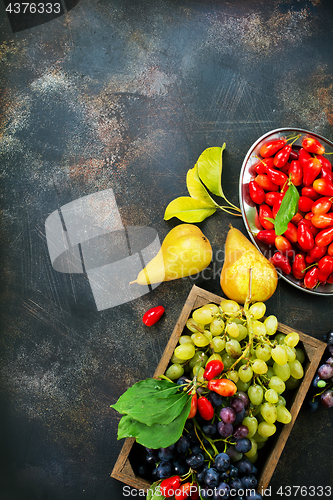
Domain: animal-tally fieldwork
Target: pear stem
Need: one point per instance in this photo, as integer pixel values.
(132, 282)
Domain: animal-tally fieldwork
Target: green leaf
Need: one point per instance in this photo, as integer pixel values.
(149, 388)
(187, 209)
(196, 189)
(210, 169)
(154, 410)
(156, 435)
(287, 210)
(154, 492)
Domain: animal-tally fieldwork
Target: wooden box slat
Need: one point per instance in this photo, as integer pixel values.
(314, 350)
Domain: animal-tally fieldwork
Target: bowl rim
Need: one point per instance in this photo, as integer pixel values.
(279, 131)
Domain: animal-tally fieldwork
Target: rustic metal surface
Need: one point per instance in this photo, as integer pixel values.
(126, 95)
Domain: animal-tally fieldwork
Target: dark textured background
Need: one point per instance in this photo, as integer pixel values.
(126, 95)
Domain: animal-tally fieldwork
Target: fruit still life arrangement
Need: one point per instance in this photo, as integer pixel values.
(203, 425)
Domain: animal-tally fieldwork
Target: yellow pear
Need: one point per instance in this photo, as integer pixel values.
(240, 257)
(184, 251)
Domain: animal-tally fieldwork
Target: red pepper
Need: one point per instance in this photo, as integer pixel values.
(276, 176)
(291, 233)
(305, 204)
(213, 369)
(183, 492)
(311, 278)
(324, 237)
(169, 486)
(311, 170)
(153, 315)
(326, 173)
(312, 145)
(315, 254)
(194, 406)
(264, 213)
(322, 206)
(266, 183)
(271, 197)
(205, 408)
(283, 245)
(303, 156)
(304, 236)
(266, 236)
(323, 187)
(223, 386)
(271, 147)
(260, 167)
(296, 172)
(325, 266)
(310, 192)
(298, 267)
(257, 194)
(282, 156)
(281, 261)
(322, 220)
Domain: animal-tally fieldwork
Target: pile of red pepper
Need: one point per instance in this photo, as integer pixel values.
(305, 248)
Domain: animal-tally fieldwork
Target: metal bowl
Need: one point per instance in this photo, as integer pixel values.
(249, 209)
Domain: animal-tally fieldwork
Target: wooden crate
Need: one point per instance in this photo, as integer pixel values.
(314, 349)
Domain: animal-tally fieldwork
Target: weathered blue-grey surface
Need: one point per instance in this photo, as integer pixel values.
(125, 95)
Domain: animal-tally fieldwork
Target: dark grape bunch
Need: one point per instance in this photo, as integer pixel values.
(322, 384)
(230, 474)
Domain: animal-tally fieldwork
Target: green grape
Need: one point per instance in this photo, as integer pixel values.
(252, 424)
(199, 339)
(185, 351)
(260, 444)
(243, 332)
(259, 328)
(259, 438)
(198, 371)
(259, 366)
(282, 371)
(233, 375)
(292, 383)
(258, 310)
(292, 339)
(230, 307)
(227, 361)
(266, 430)
(279, 337)
(174, 371)
(233, 348)
(245, 373)
(283, 415)
(279, 355)
(296, 369)
(271, 396)
(243, 386)
(205, 314)
(270, 372)
(281, 401)
(271, 324)
(256, 394)
(185, 339)
(269, 412)
(300, 354)
(215, 356)
(217, 326)
(218, 344)
(199, 356)
(232, 329)
(256, 413)
(263, 351)
(194, 326)
(291, 353)
(253, 451)
(175, 359)
(277, 385)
